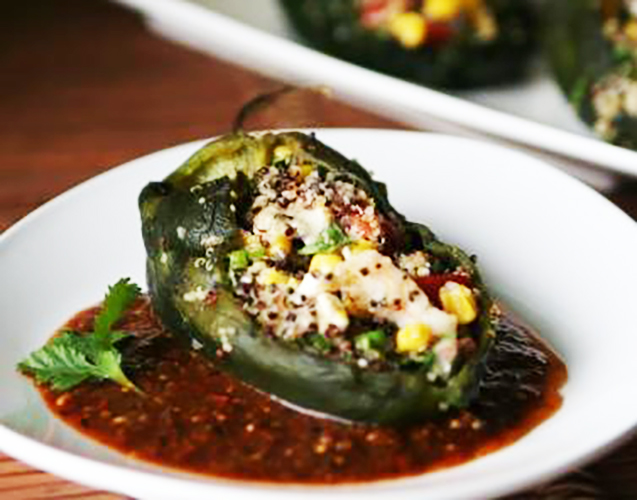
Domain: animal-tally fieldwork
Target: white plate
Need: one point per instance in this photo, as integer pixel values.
(255, 34)
(553, 249)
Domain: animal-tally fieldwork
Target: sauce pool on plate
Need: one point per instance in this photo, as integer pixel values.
(193, 417)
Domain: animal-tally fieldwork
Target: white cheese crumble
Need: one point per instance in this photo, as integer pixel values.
(415, 264)
(371, 282)
(211, 241)
(196, 295)
(331, 313)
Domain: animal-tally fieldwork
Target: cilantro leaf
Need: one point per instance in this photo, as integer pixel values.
(120, 297)
(109, 365)
(59, 363)
(71, 358)
(329, 240)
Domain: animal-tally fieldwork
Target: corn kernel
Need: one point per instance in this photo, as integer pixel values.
(361, 245)
(323, 263)
(274, 277)
(280, 247)
(631, 30)
(413, 338)
(486, 25)
(472, 5)
(281, 154)
(409, 28)
(306, 169)
(443, 10)
(302, 170)
(458, 300)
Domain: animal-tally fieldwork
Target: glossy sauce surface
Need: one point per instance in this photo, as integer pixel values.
(193, 417)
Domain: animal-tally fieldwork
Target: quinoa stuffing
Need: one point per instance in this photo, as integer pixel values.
(314, 269)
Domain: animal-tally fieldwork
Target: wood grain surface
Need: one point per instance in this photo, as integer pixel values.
(84, 87)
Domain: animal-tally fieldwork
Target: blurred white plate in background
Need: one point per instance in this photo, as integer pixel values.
(532, 114)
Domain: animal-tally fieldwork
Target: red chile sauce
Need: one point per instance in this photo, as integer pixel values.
(195, 418)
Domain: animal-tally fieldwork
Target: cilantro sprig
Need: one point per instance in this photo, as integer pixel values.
(329, 240)
(71, 358)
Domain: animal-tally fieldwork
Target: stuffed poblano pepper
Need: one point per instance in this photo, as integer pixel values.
(286, 263)
(440, 43)
(592, 46)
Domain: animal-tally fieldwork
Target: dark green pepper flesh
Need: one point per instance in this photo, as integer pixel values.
(194, 204)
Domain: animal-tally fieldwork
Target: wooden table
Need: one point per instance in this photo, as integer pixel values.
(84, 87)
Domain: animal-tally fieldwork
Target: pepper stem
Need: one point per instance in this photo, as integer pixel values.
(263, 101)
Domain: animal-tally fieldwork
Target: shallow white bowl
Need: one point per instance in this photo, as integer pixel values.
(555, 251)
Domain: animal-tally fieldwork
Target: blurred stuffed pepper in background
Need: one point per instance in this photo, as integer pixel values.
(451, 44)
(592, 46)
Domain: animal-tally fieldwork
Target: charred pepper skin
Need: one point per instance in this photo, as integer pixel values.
(333, 26)
(581, 57)
(194, 204)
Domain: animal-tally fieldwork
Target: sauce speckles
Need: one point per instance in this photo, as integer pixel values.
(196, 418)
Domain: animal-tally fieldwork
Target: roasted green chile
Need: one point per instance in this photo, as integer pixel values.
(592, 48)
(203, 202)
(455, 58)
